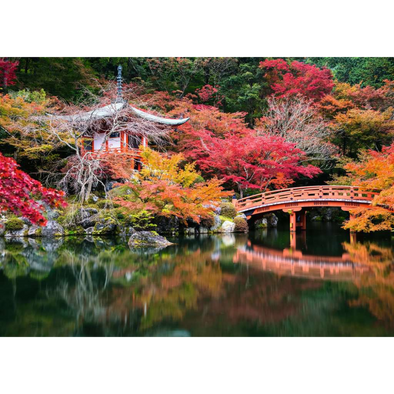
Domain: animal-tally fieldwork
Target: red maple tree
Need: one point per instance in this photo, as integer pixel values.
(7, 72)
(298, 78)
(18, 192)
(250, 161)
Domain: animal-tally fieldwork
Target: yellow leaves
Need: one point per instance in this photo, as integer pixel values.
(360, 121)
(166, 188)
(26, 133)
(168, 168)
(370, 219)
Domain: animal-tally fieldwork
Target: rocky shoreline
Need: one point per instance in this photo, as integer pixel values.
(97, 222)
(92, 222)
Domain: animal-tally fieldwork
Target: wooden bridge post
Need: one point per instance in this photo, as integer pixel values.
(303, 219)
(235, 202)
(293, 221)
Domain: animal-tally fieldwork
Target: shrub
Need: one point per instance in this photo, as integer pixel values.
(141, 221)
(208, 222)
(241, 225)
(228, 210)
(14, 224)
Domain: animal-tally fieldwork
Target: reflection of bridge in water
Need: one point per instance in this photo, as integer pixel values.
(294, 263)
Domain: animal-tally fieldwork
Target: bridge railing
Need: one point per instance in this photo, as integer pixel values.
(326, 192)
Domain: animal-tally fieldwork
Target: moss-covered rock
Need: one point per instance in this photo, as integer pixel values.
(143, 239)
(261, 223)
(23, 232)
(105, 226)
(14, 224)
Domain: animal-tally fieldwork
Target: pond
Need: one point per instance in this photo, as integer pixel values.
(322, 283)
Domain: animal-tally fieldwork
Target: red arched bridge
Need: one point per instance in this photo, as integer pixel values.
(296, 200)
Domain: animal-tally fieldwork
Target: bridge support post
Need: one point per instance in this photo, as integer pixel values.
(293, 221)
(303, 219)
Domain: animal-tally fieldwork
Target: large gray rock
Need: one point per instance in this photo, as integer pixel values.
(129, 230)
(52, 229)
(89, 231)
(105, 226)
(87, 217)
(26, 221)
(190, 230)
(227, 227)
(272, 220)
(143, 239)
(218, 223)
(34, 231)
(261, 223)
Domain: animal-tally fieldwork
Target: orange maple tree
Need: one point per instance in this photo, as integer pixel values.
(375, 171)
(166, 187)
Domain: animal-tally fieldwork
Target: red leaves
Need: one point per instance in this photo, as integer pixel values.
(250, 161)
(17, 190)
(298, 78)
(7, 72)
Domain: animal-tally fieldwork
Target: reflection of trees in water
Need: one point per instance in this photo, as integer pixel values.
(84, 298)
(170, 295)
(266, 299)
(104, 288)
(376, 290)
(143, 288)
(369, 253)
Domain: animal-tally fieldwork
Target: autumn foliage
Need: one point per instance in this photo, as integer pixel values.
(375, 171)
(250, 161)
(7, 72)
(18, 192)
(297, 78)
(167, 188)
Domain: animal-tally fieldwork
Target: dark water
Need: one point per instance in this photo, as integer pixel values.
(323, 283)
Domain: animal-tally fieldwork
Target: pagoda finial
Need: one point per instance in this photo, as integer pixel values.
(119, 97)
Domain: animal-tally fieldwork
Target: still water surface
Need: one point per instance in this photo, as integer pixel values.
(230, 285)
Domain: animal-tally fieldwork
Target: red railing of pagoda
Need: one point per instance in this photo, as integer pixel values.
(308, 193)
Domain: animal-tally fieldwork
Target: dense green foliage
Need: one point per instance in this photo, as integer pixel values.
(370, 71)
